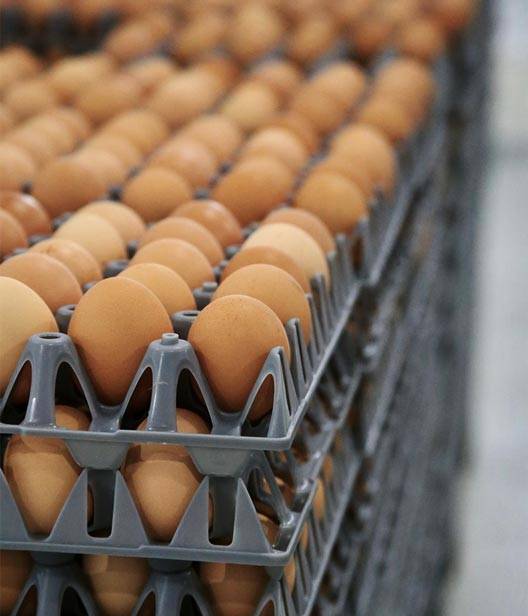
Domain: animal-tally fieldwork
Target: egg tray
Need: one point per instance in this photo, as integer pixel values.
(59, 30)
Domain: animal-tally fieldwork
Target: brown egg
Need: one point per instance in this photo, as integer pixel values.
(340, 164)
(184, 96)
(280, 75)
(124, 219)
(189, 158)
(27, 98)
(335, 200)
(27, 210)
(453, 15)
(36, 145)
(7, 119)
(310, 223)
(121, 147)
(15, 568)
(95, 234)
(56, 131)
(294, 242)
(109, 97)
(47, 276)
(271, 256)
(143, 128)
(345, 81)
(253, 30)
(76, 122)
(223, 70)
(312, 37)
(58, 196)
(371, 35)
(155, 192)
(12, 234)
(254, 187)
(278, 143)
(107, 166)
(225, 331)
(188, 230)
(76, 258)
(220, 134)
(322, 111)
(215, 217)
(275, 288)
(16, 167)
(367, 148)
(168, 286)
(111, 333)
(162, 479)
(131, 40)
(251, 105)
(22, 314)
(180, 256)
(319, 502)
(150, 72)
(389, 116)
(422, 39)
(200, 35)
(299, 126)
(41, 472)
(116, 582)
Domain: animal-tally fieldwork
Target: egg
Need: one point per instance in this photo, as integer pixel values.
(200, 35)
(76, 258)
(188, 157)
(184, 96)
(133, 39)
(296, 243)
(278, 143)
(142, 127)
(12, 234)
(76, 122)
(180, 256)
(306, 221)
(299, 126)
(7, 120)
(16, 167)
(224, 331)
(41, 472)
(389, 116)
(319, 501)
(215, 217)
(188, 230)
(58, 196)
(124, 219)
(254, 187)
(344, 80)
(155, 192)
(121, 147)
(27, 210)
(74, 73)
(105, 165)
(335, 200)
(371, 35)
(453, 15)
(312, 37)
(282, 76)
(150, 72)
(220, 134)
(95, 234)
(168, 286)
(27, 98)
(111, 333)
(47, 276)
(250, 105)
(275, 288)
(15, 569)
(356, 173)
(422, 39)
(253, 30)
(109, 97)
(116, 582)
(35, 145)
(56, 131)
(324, 112)
(367, 148)
(22, 314)
(271, 256)
(221, 69)
(162, 478)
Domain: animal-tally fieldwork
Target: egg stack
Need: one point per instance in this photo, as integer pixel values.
(183, 220)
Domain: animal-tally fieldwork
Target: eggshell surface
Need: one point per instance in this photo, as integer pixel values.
(310, 223)
(215, 217)
(12, 234)
(124, 219)
(27, 210)
(15, 567)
